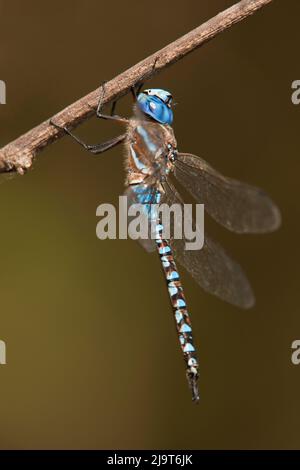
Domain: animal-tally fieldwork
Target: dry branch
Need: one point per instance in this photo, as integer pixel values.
(18, 155)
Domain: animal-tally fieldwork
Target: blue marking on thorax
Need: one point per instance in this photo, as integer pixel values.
(144, 134)
(140, 166)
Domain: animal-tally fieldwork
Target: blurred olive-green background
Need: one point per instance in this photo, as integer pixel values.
(92, 355)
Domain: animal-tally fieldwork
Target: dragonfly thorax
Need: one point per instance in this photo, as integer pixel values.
(151, 150)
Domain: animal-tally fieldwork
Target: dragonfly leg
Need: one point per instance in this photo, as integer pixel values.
(135, 89)
(113, 107)
(96, 148)
(111, 116)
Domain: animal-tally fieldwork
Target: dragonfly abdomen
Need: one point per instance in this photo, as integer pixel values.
(181, 315)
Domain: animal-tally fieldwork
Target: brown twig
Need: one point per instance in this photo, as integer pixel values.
(19, 154)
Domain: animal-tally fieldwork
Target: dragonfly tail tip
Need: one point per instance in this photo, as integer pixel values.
(192, 379)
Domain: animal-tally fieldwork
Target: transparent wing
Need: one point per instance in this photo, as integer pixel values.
(211, 267)
(237, 206)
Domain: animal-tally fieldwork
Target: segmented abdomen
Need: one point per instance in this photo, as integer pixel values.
(182, 318)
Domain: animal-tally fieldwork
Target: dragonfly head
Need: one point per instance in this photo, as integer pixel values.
(156, 103)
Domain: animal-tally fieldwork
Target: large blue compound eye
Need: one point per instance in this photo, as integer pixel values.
(164, 95)
(156, 104)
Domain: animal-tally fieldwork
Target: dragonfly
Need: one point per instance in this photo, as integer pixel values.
(152, 160)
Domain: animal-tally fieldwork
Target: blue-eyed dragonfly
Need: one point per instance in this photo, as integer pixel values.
(151, 158)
